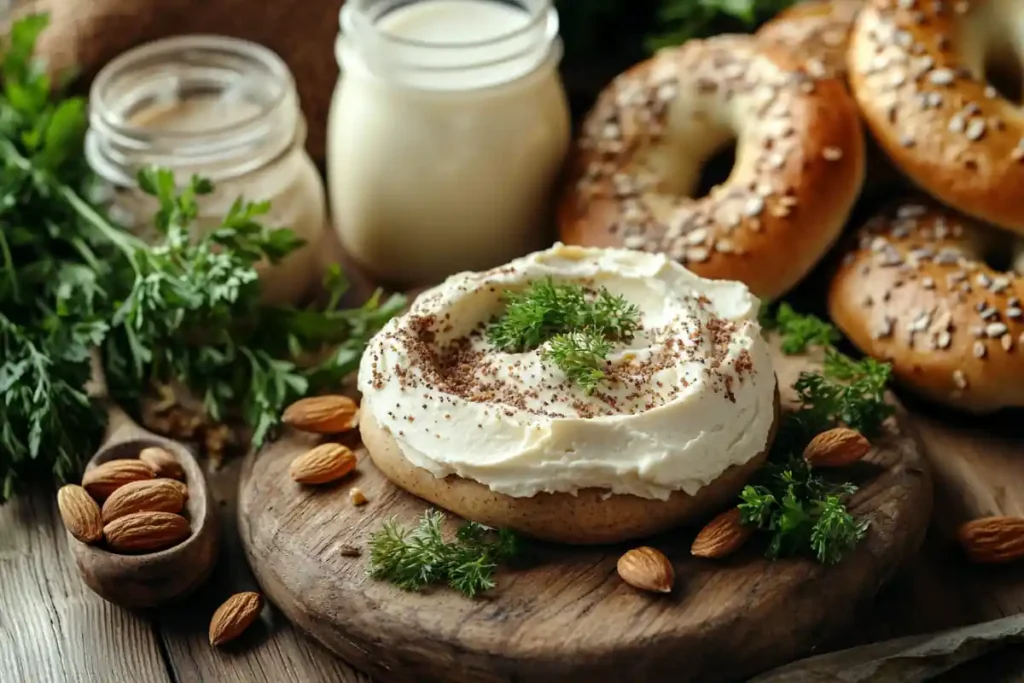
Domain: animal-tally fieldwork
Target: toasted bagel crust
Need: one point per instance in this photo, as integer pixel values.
(915, 291)
(917, 71)
(799, 163)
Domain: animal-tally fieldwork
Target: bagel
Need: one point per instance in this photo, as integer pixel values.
(916, 291)
(799, 163)
(588, 517)
(918, 71)
(816, 32)
(683, 414)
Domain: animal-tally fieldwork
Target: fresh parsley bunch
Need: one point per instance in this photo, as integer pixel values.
(802, 510)
(415, 558)
(185, 309)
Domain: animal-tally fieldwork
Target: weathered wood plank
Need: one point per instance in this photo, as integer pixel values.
(274, 651)
(52, 627)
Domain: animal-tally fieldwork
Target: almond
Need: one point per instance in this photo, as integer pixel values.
(146, 532)
(162, 462)
(722, 536)
(153, 495)
(180, 485)
(234, 616)
(836, 448)
(80, 513)
(647, 569)
(322, 414)
(326, 463)
(993, 540)
(101, 481)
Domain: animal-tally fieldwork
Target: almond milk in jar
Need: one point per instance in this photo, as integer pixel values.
(448, 130)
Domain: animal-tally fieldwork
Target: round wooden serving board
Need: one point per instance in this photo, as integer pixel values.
(562, 613)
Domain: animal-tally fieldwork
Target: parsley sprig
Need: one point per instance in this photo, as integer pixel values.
(801, 509)
(576, 328)
(416, 558)
(187, 308)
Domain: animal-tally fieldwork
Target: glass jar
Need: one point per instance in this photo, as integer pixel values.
(447, 134)
(222, 108)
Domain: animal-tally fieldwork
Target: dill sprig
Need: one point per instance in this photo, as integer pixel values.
(580, 355)
(802, 510)
(577, 327)
(415, 558)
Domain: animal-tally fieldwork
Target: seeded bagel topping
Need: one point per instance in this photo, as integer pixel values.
(931, 303)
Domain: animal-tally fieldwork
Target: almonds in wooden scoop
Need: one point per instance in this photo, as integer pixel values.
(992, 540)
(145, 532)
(322, 414)
(101, 481)
(647, 569)
(234, 616)
(153, 495)
(80, 513)
(162, 462)
(722, 536)
(326, 463)
(836, 448)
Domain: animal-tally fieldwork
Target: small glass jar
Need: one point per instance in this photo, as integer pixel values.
(447, 133)
(222, 108)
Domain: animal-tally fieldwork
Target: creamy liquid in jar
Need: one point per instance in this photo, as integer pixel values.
(224, 109)
(448, 130)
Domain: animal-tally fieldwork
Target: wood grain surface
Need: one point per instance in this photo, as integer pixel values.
(564, 612)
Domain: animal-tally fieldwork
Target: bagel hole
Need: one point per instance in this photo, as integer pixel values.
(1004, 71)
(999, 257)
(716, 169)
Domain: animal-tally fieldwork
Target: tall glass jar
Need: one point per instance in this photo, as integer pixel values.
(222, 108)
(447, 133)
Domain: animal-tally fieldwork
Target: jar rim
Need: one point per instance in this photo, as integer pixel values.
(165, 47)
(538, 14)
(130, 83)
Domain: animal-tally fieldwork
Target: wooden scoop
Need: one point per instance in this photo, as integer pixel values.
(153, 578)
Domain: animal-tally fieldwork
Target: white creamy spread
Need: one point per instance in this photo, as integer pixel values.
(691, 395)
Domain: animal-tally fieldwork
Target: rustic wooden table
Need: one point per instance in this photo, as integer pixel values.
(52, 628)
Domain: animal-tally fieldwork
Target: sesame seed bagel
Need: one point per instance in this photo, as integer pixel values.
(916, 291)
(799, 163)
(816, 32)
(918, 71)
(591, 516)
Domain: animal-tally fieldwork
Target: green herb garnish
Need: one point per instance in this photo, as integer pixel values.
(804, 511)
(416, 558)
(578, 328)
(580, 355)
(800, 331)
(186, 309)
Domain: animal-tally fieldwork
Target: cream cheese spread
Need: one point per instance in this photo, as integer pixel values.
(689, 396)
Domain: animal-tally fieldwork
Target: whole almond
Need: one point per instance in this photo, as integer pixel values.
(180, 485)
(722, 536)
(146, 532)
(992, 540)
(836, 448)
(326, 463)
(234, 616)
(322, 414)
(647, 569)
(163, 462)
(80, 513)
(101, 481)
(153, 495)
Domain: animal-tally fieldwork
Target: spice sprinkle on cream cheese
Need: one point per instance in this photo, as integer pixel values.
(691, 394)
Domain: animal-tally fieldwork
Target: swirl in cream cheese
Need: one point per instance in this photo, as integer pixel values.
(691, 395)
